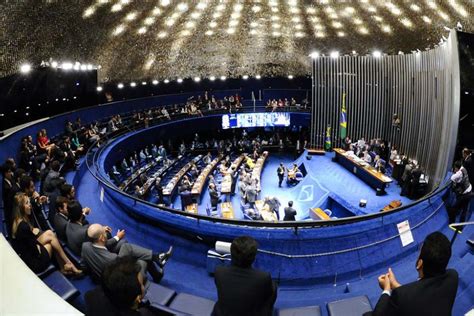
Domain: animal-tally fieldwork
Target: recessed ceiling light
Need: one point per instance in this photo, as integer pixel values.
(25, 68)
(377, 54)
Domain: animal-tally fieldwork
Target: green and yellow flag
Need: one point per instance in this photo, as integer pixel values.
(327, 142)
(343, 121)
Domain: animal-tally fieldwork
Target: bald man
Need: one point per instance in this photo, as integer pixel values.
(97, 254)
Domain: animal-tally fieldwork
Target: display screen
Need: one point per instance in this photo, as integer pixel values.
(255, 120)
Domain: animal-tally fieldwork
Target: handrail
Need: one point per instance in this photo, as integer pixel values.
(254, 223)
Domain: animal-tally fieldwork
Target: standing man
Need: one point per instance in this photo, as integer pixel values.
(290, 212)
(462, 188)
(468, 163)
(281, 174)
(242, 290)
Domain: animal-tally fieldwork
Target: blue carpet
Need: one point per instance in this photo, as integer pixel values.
(186, 272)
(325, 180)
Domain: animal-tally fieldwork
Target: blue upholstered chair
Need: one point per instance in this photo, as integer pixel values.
(57, 282)
(354, 306)
(191, 304)
(158, 294)
(300, 311)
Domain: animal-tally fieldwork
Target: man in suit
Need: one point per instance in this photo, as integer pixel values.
(120, 293)
(214, 195)
(467, 162)
(251, 194)
(61, 219)
(463, 190)
(281, 174)
(290, 212)
(242, 290)
(97, 254)
(432, 294)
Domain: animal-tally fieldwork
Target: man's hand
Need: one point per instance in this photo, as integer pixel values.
(86, 210)
(120, 233)
(108, 229)
(393, 281)
(384, 282)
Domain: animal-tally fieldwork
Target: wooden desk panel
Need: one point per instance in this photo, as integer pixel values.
(227, 210)
(362, 170)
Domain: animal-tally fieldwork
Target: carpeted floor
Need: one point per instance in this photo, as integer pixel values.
(325, 180)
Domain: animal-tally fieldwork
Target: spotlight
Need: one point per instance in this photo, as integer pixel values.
(90, 67)
(166, 81)
(66, 66)
(54, 64)
(354, 53)
(400, 52)
(120, 86)
(258, 76)
(143, 83)
(334, 54)
(83, 67)
(155, 82)
(223, 78)
(197, 79)
(77, 66)
(377, 54)
(25, 68)
(290, 77)
(212, 78)
(99, 89)
(314, 55)
(245, 77)
(179, 80)
(133, 84)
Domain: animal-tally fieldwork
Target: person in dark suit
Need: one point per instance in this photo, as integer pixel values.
(97, 254)
(290, 212)
(214, 195)
(159, 191)
(432, 294)
(281, 174)
(120, 293)
(468, 163)
(242, 290)
(9, 189)
(61, 218)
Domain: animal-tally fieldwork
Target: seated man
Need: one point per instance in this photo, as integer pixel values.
(242, 290)
(61, 218)
(121, 291)
(97, 255)
(432, 294)
(76, 231)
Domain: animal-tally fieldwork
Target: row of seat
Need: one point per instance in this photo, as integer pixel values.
(163, 299)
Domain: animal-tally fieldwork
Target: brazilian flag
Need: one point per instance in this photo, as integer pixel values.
(343, 121)
(327, 142)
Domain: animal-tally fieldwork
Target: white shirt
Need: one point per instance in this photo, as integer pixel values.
(457, 178)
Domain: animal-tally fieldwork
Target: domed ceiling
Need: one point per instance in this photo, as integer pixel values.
(159, 39)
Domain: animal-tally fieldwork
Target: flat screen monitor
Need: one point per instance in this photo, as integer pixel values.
(245, 120)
